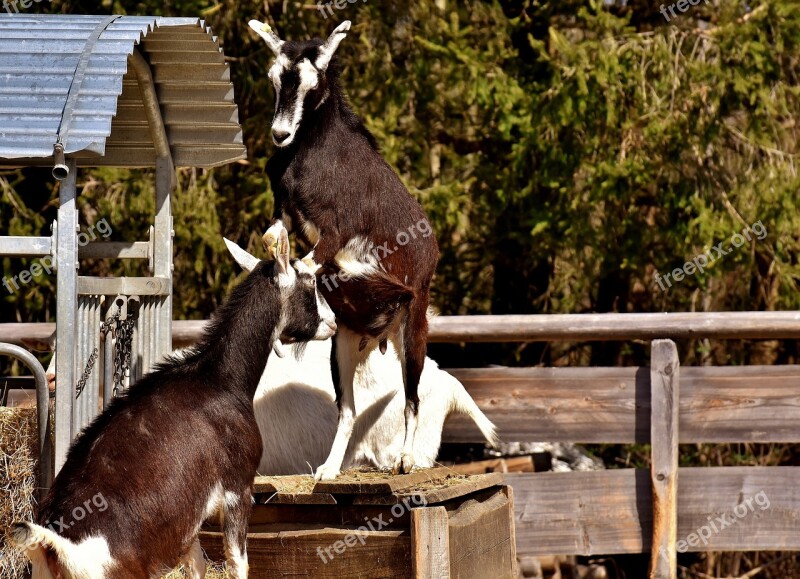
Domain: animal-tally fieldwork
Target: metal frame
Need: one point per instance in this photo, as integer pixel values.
(42, 407)
(85, 134)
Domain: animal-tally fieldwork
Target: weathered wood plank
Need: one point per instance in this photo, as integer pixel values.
(508, 464)
(331, 553)
(529, 328)
(430, 543)
(290, 490)
(435, 495)
(610, 512)
(665, 380)
(589, 327)
(482, 537)
(612, 405)
(381, 485)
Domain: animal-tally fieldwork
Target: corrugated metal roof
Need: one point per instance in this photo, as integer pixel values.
(38, 59)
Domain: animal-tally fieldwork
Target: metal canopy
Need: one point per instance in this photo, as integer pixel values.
(41, 61)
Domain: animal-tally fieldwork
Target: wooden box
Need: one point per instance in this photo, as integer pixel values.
(432, 523)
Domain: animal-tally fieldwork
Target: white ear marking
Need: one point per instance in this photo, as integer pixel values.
(265, 31)
(247, 261)
(327, 50)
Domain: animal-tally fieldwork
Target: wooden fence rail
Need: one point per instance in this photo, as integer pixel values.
(542, 328)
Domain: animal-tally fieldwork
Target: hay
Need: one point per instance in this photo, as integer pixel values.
(213, 571)
(18, 481)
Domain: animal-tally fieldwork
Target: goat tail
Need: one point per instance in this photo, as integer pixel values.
(53, 556)
(462, 402)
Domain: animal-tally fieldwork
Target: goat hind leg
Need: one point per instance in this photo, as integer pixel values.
(415, 345)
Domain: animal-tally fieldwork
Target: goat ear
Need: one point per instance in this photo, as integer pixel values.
(247, 261)
(327, 50)
(266, 32)
(282, 264)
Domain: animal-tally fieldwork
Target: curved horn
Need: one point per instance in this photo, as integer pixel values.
(266, 32)
(327, 50)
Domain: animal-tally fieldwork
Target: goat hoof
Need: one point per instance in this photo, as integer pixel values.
(325, 472)
(407, 463)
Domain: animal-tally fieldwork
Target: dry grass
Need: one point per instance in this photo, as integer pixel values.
(213, 571)
(18, 480)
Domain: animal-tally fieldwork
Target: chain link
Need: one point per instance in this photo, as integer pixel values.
(123, 334)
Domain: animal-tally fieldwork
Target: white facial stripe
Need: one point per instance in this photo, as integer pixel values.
(289, 121)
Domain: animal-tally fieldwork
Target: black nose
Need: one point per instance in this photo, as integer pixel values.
(280, 136)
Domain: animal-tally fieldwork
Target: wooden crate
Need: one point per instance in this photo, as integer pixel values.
(433, 523)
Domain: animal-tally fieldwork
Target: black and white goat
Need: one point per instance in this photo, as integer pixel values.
(181, 446)
(369, 235)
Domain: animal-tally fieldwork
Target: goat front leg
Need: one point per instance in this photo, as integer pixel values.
(194, 562)
(412, 356)
(234, 529)
(346, 358)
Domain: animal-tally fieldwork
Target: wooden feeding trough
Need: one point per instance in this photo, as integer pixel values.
(433, 523)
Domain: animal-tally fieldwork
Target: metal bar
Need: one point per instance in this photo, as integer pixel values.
(15, 246)
(94, 379)
(108, 286)
(108, 364)
(66, 308)
(80, 363)
(151, 103)
(114, 250)
(42, 411)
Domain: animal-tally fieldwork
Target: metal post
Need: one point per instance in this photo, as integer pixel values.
(66, 310)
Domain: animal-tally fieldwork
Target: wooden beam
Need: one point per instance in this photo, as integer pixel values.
(610, 512)
(581, 327)
(430, 543)
(665, 394)
(596, 327)
(612, 405)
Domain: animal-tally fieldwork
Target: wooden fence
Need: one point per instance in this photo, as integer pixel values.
(663, 510)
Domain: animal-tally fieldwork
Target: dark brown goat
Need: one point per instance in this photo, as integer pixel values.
(371, 237)
(181, 446)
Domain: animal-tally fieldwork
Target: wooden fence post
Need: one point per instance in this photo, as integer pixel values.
(430, 543)
(664, 395)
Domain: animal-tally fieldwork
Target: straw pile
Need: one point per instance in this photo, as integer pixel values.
(18, 480)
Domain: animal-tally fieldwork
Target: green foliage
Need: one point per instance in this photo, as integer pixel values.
(566, 152)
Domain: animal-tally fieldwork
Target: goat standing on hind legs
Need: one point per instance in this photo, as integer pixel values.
(346, 204)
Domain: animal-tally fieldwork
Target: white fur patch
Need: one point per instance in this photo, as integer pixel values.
(311, 232)
(356, 258)
(89, 559)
